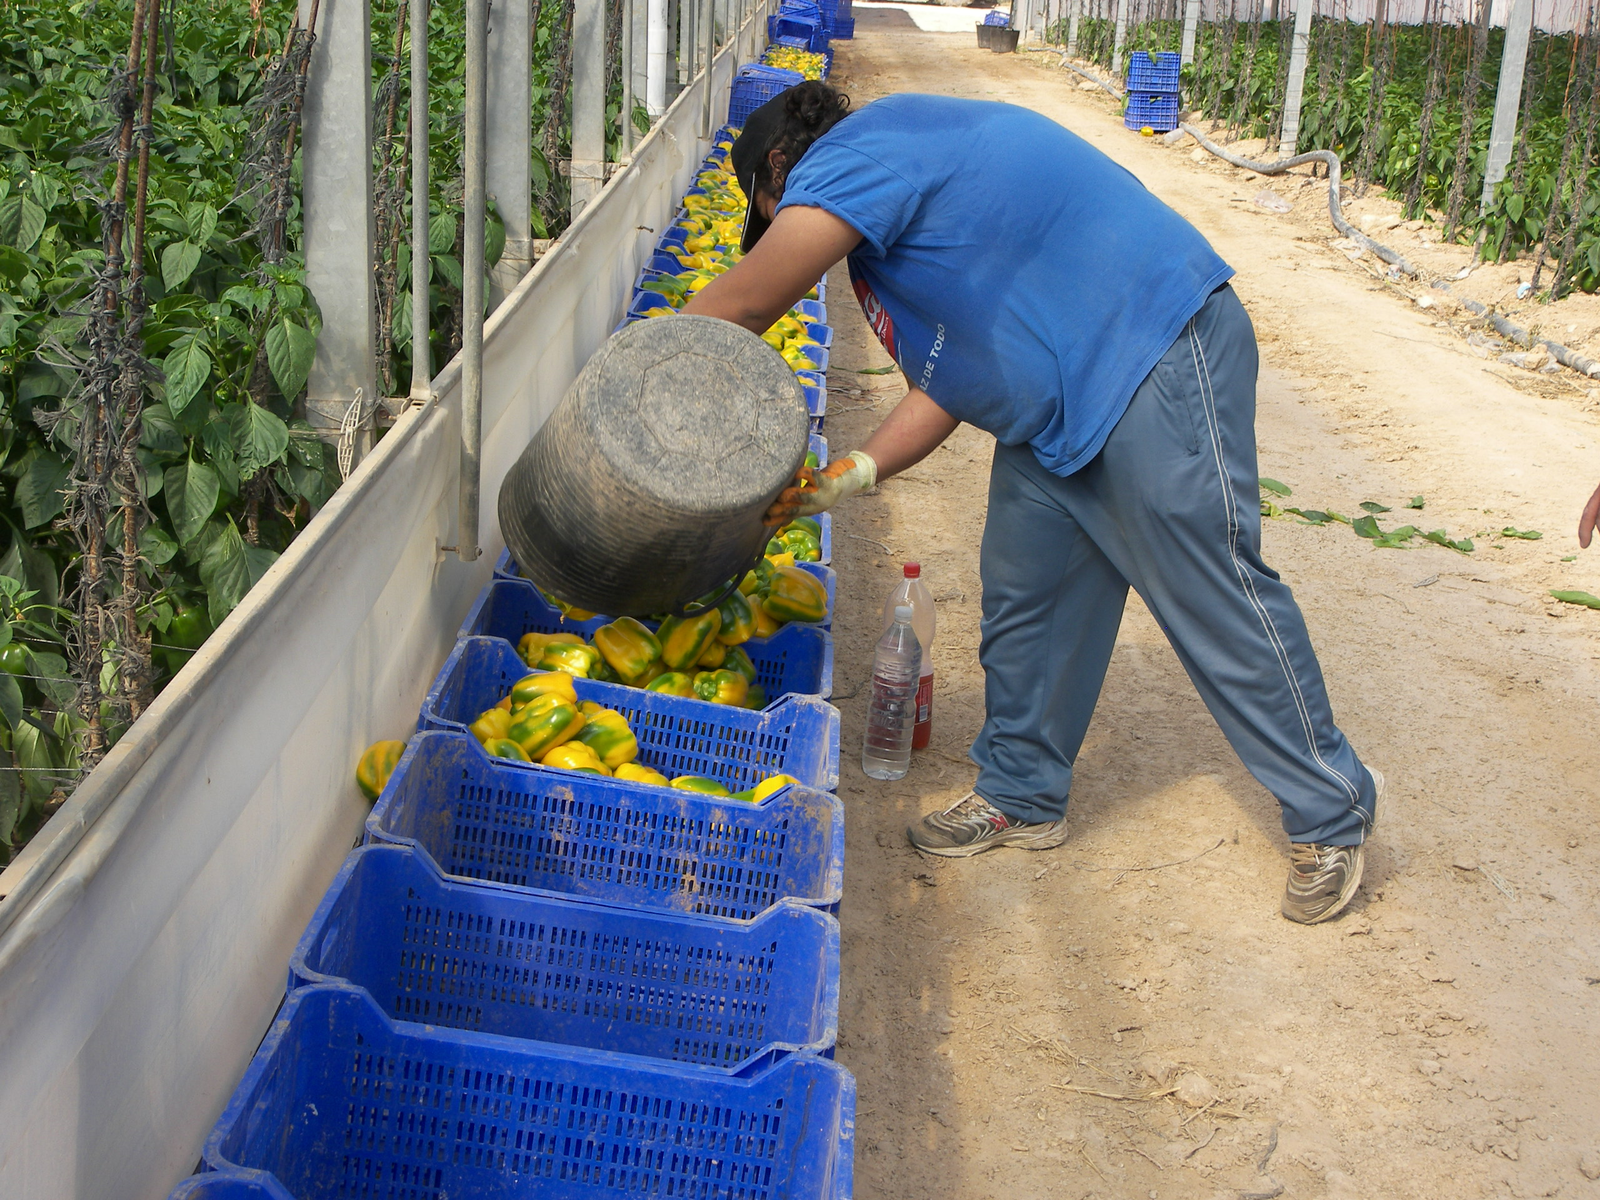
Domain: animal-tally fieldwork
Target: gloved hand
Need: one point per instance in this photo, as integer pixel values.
(815, 491)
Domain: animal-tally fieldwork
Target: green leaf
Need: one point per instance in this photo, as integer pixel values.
(1339, 517)
(40, 488)
(1513, 206)
(1527, 535)
(192, 489)
(1587, 599)
(1415, 502)
(1366, 527)
(260, 437)
(10, 700)
(494, 241)
(1372, 506)
(1311, 516)
(178, 262)
(38, 774)
(230, 569)
(290, 350)
(21, 222)
(1395, 538)
(26, 562)
(10, 801)
(202, 221)
(889, 370)
(441, 233)
(1272, 485)
(157, 546)
(187, 368)
(52, 677)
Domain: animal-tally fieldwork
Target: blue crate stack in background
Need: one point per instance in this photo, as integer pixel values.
(533, 982)
(1152, 91)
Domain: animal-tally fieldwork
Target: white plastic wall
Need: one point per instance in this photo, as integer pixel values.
(137, 982)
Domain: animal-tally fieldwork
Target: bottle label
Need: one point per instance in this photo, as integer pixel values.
(923, 729)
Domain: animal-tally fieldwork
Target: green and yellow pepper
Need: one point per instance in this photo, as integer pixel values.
(574, 756)
(699, 783)
(738, 620)
(766, 626)
(716, 653)
(532, 645)
(628, 646)
(721, 687)
(545, 723)
(607, 734)
(673, 683)
(638, 773)
(506, 748)
(577, 660)
(770, 784)
(491, 725)
(738, 660)
(684, 639)
(376, 765)
(756, 697)
(542, 683)
(802, 545)
(796, 595)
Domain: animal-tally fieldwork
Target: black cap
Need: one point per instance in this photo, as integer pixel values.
(760, 130)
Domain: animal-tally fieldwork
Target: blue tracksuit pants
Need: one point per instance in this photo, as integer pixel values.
(1170, 506)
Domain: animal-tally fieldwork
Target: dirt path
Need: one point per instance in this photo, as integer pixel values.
(1438, 1040)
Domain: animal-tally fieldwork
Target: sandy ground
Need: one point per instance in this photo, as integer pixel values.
(1018, 1022)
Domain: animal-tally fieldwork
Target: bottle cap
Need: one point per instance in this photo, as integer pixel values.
(902, 612)
(913, 570)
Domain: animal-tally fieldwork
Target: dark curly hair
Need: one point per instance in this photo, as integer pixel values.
(810, 109)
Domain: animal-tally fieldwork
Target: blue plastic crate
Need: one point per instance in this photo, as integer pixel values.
(670, 986)
(476, 818)
(754, 85)
(844, 28)
(234, 1184)
(1157, 111)
(819, 447)
(739, 747)
(797, 660)
(996, 17)
(341, 1101)
(1157, 75)
(505, 567)
(816, 404)
(821, 334)
(818, 355)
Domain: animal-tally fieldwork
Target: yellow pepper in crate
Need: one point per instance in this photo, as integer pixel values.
(721, 687)
(543, 683)
(739, 661)
(628, 646)
(606, 733)
(491, 725)
(765, 625)
(574, 756)
(756, 697)
(574, 660)
(639, 773)
(738, 620)
(545, 723)
(376, 765)
(794, 594)
(673, 683)
(684, 639)
(714, 656)
(699, 783)
(771, 784)
(506, 748)
(531, 646)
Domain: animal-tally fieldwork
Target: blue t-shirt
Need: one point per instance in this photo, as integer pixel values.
(1020, 277)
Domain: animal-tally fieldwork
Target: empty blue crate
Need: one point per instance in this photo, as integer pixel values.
(797, 660)
(668, 986)
(341, 1101)
(563, 833)
(843, 29)
(234, 1184)
(819, 447)
(738, 747)
(996, 17)
(1158, 112)
(1157, 75)
(753, 86)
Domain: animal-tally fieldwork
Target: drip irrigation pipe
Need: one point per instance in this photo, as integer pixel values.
(1564, 355)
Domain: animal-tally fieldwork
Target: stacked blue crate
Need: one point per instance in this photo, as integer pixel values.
(1152, 101)
(489, 892)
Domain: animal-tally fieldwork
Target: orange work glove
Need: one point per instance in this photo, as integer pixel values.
(815, 491)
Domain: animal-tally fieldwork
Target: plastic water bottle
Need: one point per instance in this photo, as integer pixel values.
(886, 752)
(912, 591)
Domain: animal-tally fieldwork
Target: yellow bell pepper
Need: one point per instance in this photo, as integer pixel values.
(653, 672)
(770, 784)
(766, 625)
(574, 756)
(684, 639)
(531, 646)
(589, 707)
(628, 646)
(574, 660)
(568, 611)
(542, 683)
(739, 661)
(749, 583)
(607, 734)
(673, 683)
(738, 621)
(794, 594)
(506, 748)
(721, 687)
(783, 559)
(376, 765)
(713, 657)
(491, 725)
(639, 773)
(546, 722)
(699, 783)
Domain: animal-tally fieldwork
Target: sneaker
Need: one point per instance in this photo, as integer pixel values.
(1324, 879)
(972, 825)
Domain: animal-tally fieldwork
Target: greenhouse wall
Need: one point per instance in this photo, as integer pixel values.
(137, 979)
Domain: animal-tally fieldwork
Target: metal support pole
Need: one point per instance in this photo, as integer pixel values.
(340, 219)
(655, 58)
(421, 216)
(1507, 97)
(509, 140)
(474, 211)
(1191, 24)
(1073, 13)
(588, 102)
(1294, 88)
(627, 78)
(1120, 38)
(708, 13)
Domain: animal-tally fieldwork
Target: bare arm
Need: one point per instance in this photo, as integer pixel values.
(1590, 520)
(781, 268)
(915, 429)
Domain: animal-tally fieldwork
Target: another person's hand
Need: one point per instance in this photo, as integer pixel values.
(1589, 521)
(815, 491)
